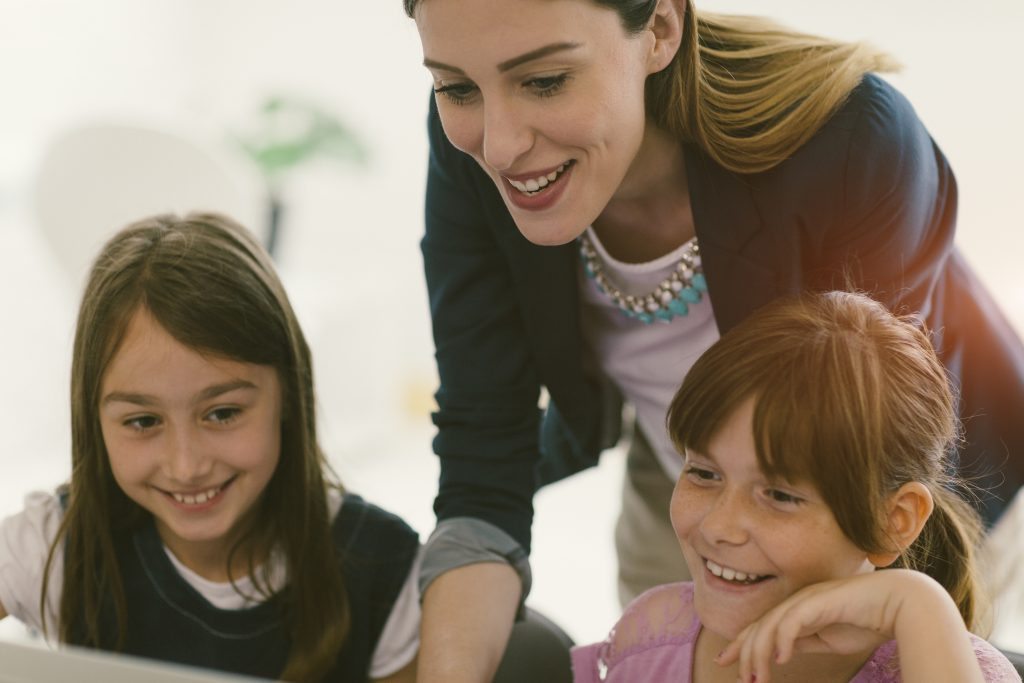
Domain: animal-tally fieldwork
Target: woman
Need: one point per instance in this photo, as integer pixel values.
(600, 167)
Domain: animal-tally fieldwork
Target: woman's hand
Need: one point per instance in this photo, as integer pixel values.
(857, 614)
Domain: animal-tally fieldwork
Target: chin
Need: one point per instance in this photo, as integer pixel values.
(728, 627)
(549, 235)
(728, 622)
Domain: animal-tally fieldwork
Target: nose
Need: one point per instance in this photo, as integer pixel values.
(507, 134)
(727, 519)
(185, 461)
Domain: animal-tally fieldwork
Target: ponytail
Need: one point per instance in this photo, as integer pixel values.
(947, 549)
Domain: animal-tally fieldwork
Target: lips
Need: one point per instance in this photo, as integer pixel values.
(532, 185)
(731, 575)
(197, 497)
(536, 192)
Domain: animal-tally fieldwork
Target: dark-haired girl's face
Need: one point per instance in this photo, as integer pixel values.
(192, 438)
(547, 96)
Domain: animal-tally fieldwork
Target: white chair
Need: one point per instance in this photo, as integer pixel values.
(95, 178)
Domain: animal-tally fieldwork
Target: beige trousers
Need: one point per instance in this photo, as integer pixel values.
(647, 548)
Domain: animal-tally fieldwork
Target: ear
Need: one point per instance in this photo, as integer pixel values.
(907, 510)
(666, 27)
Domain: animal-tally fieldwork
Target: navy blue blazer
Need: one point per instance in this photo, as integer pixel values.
(870, 200)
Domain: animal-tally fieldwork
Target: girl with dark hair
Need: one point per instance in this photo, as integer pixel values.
(612, 185)
(824, 536)
(201, 524)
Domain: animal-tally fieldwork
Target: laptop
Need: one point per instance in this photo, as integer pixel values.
(21, 663)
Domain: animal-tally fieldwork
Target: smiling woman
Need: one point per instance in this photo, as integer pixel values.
(612, 185)
(584, 97)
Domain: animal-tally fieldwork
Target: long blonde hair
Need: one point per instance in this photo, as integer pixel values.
(746, 90)
(750, 92)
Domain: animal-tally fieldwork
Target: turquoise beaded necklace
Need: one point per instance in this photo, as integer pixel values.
(670, 299)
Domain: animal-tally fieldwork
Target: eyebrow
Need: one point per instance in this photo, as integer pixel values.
(206, 394)
(510, 63)
(698, 454)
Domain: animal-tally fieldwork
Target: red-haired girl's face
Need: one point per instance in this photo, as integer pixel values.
(548, 97)
(194, 439)
(750, 541)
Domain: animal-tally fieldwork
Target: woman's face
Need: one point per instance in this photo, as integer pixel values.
(547, 96)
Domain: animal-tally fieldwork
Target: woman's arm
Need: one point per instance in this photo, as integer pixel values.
(467, 618)
(487, 413)
(488, 425)
(856, 614)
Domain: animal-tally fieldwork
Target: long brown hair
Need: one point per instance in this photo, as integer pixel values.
(211, 285)
(854, 399)
(746, 90)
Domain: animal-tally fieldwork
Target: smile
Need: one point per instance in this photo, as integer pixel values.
(730, 574)
(200, 497)
(534, 186)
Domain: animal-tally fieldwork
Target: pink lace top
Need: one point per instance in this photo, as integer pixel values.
(657, 634)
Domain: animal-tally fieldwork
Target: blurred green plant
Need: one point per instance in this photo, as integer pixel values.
(288, 133)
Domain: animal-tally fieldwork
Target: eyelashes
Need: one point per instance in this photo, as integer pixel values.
(223, 415)
(543, 86)
(704, 477)
(547, 86)
(699, 473)
(457, 93)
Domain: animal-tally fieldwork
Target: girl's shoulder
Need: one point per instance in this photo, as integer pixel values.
(995, 667)
(37, 522)
(25, 541)
(663, 614)
(362, 528)
(884, 666)
(655, 634)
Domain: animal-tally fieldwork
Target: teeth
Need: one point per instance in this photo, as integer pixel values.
(536, 184)
(197, 499)
(730, 574)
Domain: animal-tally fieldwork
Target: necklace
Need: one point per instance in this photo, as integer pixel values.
(672, 297)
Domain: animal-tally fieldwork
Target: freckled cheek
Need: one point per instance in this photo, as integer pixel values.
(682, 511)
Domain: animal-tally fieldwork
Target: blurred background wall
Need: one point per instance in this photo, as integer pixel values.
(348, 250)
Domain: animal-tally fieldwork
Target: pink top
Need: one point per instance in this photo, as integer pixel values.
(655, 638)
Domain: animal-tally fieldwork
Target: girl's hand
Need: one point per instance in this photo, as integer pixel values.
(857, 614)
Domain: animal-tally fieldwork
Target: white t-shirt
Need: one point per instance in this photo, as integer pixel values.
(646, 362)
(26, 537)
